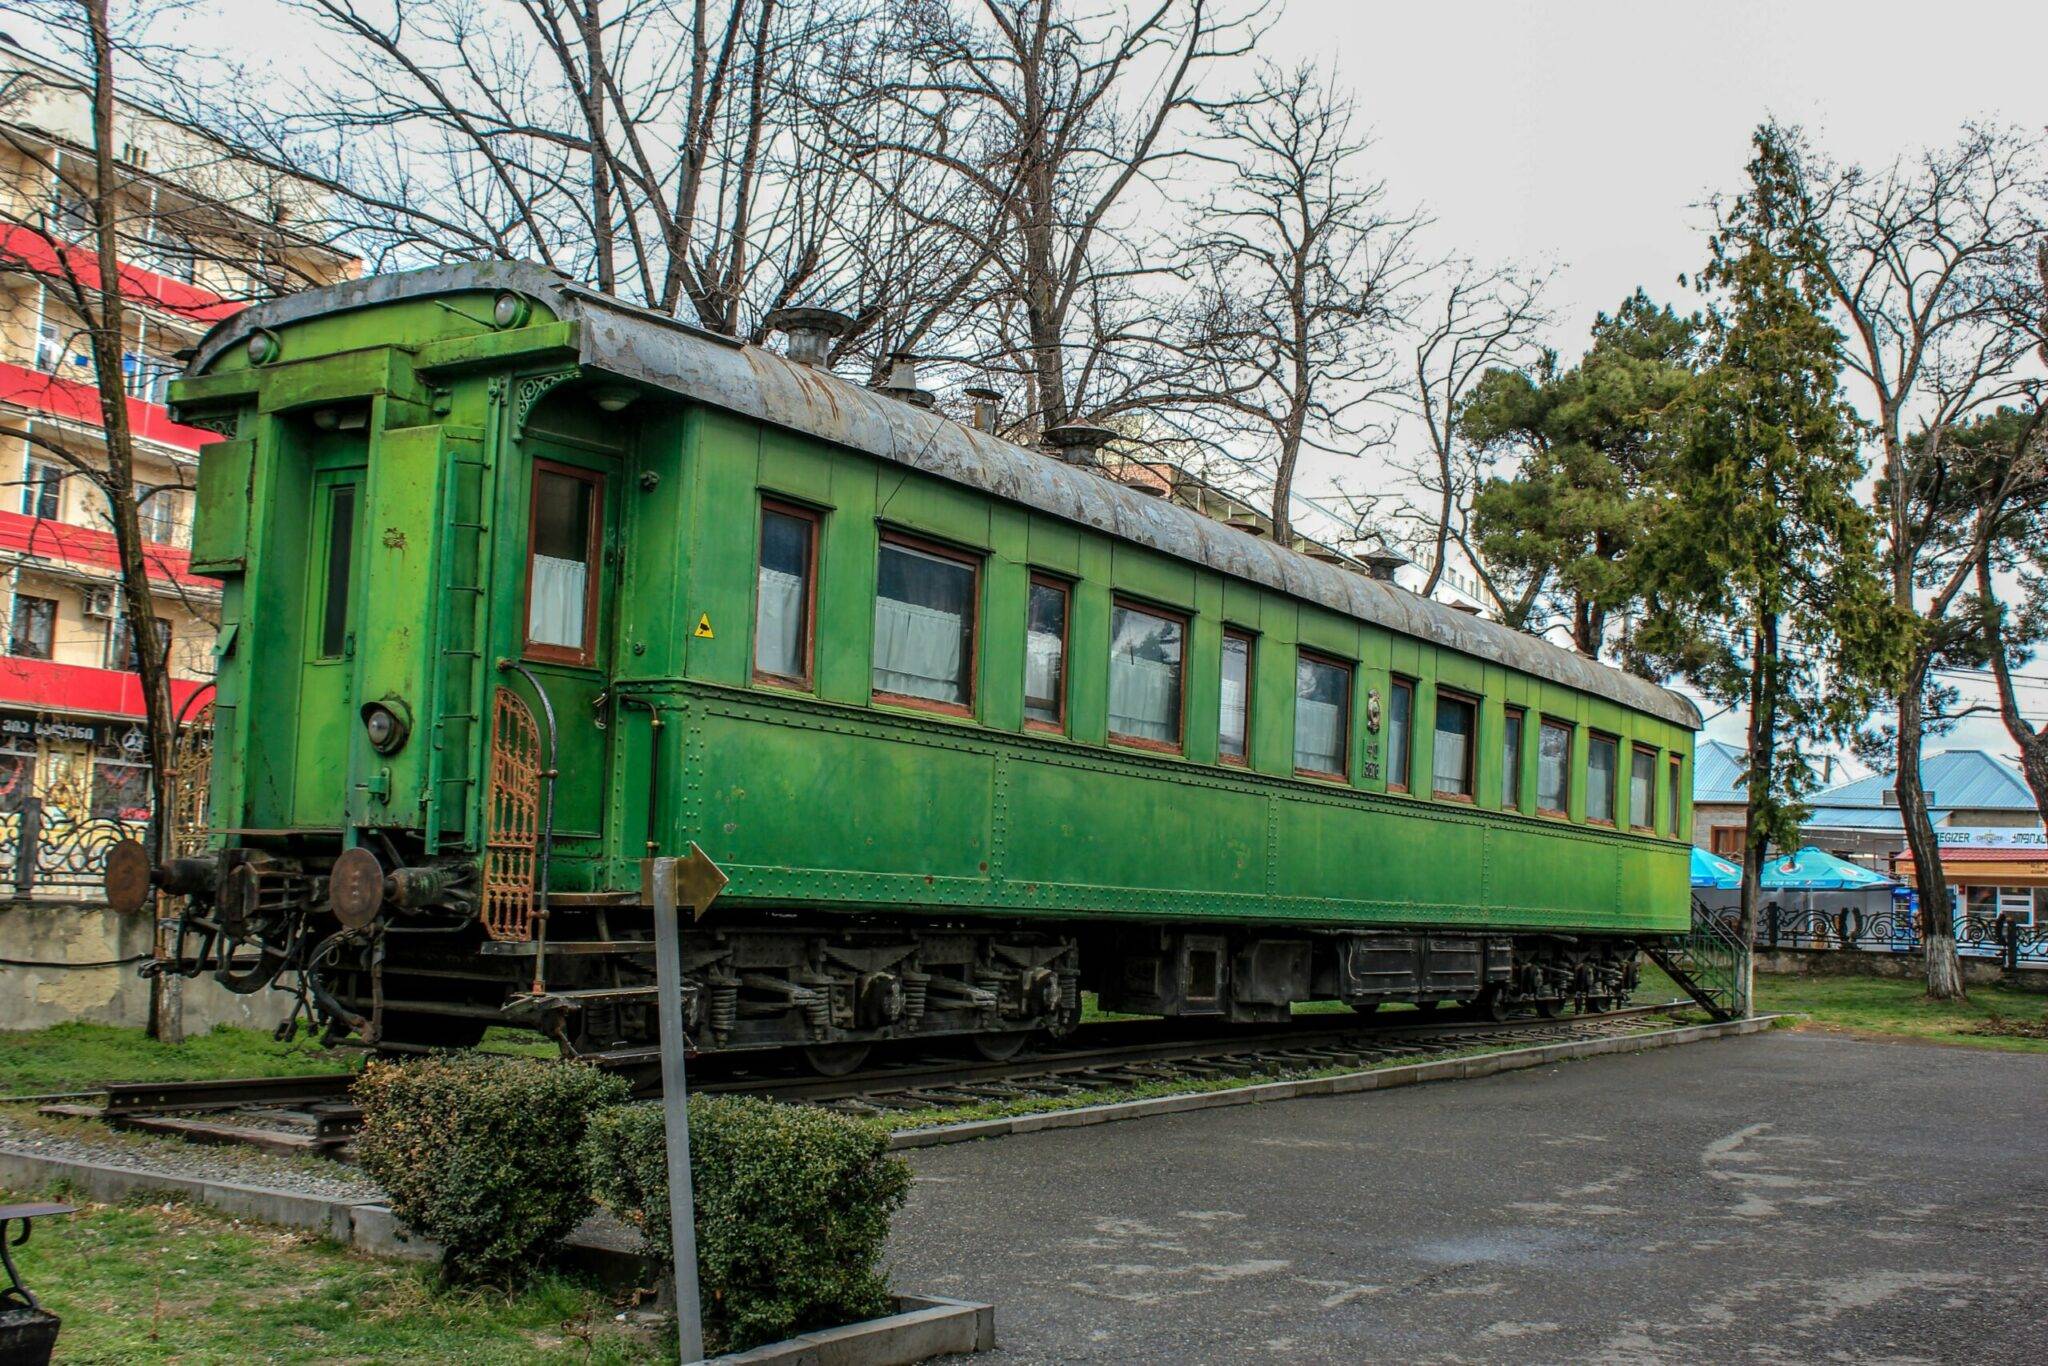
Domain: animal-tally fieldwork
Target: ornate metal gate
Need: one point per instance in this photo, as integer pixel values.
(513, 828)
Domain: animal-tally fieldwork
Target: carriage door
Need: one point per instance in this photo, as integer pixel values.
(326, 718)
(571, 580)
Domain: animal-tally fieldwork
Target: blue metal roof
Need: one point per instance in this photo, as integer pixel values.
(1955, 780)
(1717, 772)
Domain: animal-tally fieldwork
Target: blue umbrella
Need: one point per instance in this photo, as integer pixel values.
(1816, 870)
(1711, 870)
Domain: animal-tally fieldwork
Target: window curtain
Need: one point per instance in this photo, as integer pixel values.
(917, 651)
(779, 632)
(1144, 697)
(1553, 751)
(555, 610)
(1600, 765)
(1236, 704)
(1449, 757)
(1318, 735)
(1042, 675)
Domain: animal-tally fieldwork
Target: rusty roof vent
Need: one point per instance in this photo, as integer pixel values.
(988, 407)
(1381, 564)
(902, 381)
(1077, 443)
(811, 332)
(1246, 522)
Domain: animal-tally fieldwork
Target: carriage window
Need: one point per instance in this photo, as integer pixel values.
(1322, 713)
(1553, 768)
(1671, 772)
(1642, 788)
(924, 626)
(1450, 762)
(341, 546)
(1400, 732)
(1511, 759)
(1045, 655)
(782, 595)
(561, 585)
(1235, 745)
(1144, 677)
(1603, 760)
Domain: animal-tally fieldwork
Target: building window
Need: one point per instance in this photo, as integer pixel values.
(1553, 768)
(1726, 840)
(1673, 795)
(1400, 733)
(1322, 717)
(1511, 759)
(924, 625)
(121, 653)
(35, 627)
(1045, 655)
(42, 489)
(169, 253)
(1457, 733)
(1145, 676)
(783, 595)
(1603, 761)
(567, 517)
(1234, 745)
(1642, 788)
(49, 347)
(156, 510)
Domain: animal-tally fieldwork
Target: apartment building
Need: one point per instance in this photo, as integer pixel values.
(203, 231)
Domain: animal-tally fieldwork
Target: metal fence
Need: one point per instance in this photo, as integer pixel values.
(51, 850)
(2007, 940)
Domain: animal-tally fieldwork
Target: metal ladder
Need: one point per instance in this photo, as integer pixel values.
(1707, 963)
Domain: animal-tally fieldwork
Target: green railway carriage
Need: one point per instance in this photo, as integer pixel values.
(522, 585)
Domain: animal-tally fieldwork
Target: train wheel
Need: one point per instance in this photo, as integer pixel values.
(835, 1059)
(1548, 1007)
(1492, 1005)
(999, 1047)
(1595, 1005)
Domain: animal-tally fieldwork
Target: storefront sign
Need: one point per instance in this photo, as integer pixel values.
(125, 736)
(1992, 838)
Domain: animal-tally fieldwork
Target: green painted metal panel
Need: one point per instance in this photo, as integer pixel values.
(220, 528)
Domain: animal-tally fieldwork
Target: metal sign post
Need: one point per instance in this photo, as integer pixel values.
(675, 1107)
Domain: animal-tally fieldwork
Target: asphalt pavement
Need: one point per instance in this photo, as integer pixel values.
(1783, 1197)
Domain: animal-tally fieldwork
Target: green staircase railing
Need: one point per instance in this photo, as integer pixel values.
(1709, 963)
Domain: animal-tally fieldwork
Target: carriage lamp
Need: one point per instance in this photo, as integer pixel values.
(509, 309)
(387, 724)
(615, 398)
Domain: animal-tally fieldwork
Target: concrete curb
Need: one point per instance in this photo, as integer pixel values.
(921, 1328)
(1380, 1079)
(364, 1225)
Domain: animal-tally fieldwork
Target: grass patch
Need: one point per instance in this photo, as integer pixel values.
(1900, 1008)
(77, 1056)
(179, 1283)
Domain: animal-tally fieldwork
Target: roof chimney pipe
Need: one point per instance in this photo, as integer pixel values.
(1381, 564)
(902, 381)
(811, 332)
(1077, 443)
(987, 408)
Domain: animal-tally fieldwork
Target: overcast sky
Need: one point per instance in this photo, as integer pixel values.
(1583, 137)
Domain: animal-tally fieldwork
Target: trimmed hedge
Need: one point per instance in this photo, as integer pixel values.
(480, 1154)
(793, 1208)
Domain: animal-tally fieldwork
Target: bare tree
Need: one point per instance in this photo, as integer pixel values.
(1058, 123)
(1302, 274)
(1479, 319)
(1907, 254)
(105, 206)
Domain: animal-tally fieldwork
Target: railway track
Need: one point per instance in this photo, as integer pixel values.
(316, 1114)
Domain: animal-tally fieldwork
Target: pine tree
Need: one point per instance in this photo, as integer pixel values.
(1760, 573)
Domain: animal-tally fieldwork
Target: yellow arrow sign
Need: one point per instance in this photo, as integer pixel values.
(699, 880)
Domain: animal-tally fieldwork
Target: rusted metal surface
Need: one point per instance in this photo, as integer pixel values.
(512, 837)
(681, 358)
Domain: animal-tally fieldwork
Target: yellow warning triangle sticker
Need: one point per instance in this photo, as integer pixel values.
(704, 625)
